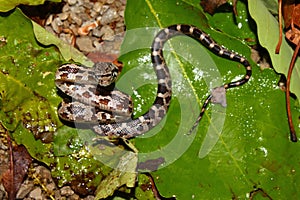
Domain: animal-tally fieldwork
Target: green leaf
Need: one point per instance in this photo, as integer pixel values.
(268, 35)
(28, 105)
(9, 5)
(123, 174)
(27, 79)
(241, 28)
(68, 52)
(251, 152)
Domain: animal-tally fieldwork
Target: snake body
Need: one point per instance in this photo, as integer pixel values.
(134, 127)
(97, 102)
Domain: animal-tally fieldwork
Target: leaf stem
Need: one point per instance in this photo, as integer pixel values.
(280, 25)
(287, 94)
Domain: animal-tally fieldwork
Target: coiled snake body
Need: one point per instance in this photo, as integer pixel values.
(83, 84)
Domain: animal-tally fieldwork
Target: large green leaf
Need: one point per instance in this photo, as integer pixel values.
(28, 104)
(268, 35)
(27, 73)
(250, 154)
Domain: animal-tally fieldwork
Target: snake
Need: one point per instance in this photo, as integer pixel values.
(109, 111)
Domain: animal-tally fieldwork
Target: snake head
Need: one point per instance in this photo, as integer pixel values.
(106, 73)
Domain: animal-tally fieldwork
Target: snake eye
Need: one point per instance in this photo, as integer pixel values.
(106, 73)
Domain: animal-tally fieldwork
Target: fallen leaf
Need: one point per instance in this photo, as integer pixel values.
(291, 13)
(13, 177)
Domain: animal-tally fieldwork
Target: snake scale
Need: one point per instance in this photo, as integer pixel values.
(110, 109)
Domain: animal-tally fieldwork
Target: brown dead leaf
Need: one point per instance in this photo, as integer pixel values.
(289, 10)
(293, 36)
(210, 6)
(39, 13)
(296, 15)
(13, 177)
(291, 13)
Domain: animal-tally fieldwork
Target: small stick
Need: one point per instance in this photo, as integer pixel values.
(280, 25)
(287, 94)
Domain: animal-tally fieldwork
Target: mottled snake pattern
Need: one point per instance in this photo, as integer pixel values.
(113, 118)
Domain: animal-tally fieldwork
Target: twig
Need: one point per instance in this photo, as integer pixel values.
(287, 94)
(280, 25)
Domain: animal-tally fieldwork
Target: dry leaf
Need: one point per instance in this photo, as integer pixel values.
(291, 13)
(12, 179)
